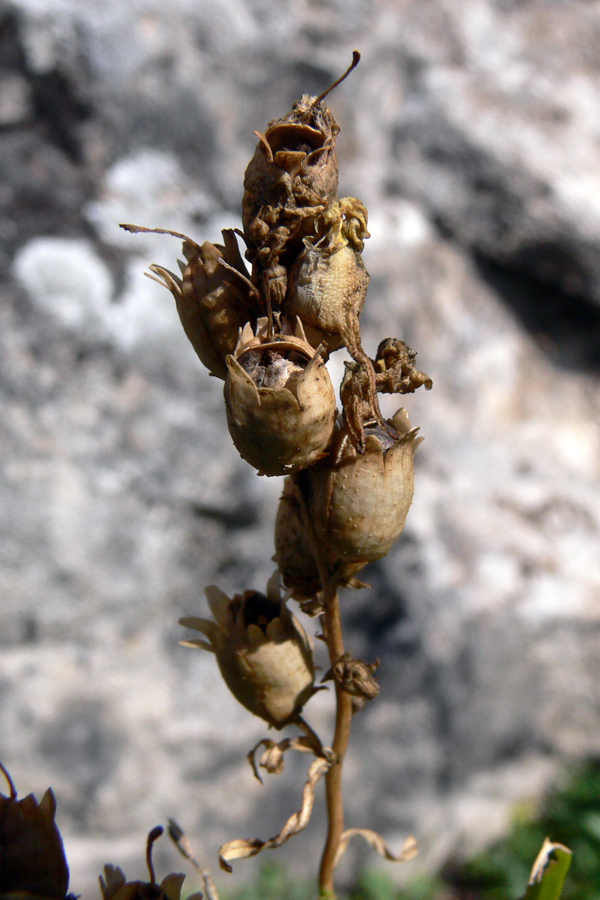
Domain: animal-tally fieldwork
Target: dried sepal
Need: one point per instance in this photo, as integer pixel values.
(264, 654)
(214, 295)
(279, 400)
(114, 885)
(244, 848)
(359, 502)
(408, 851)
(32, 856)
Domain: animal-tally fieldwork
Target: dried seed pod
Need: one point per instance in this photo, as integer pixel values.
(114, 885)
(264, 654)
(359, 502)
(214, 295)
(290, 180)
(293, 553)
(329, 281)
(32, 857)
(280, 401)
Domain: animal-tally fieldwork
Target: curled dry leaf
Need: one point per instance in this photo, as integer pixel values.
(409, 850)
(243, 848)
(183, 844)
(272, 759)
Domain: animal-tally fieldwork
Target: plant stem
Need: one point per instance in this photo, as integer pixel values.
(332, 634)
(343, 723)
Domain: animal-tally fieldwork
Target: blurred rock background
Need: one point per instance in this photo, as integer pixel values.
(471, 131)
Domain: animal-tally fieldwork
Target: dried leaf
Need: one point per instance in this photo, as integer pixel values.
(244, 848)
(409, 850)
(183, 844)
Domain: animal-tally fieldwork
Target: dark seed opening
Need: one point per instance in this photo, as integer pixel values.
(259, 610)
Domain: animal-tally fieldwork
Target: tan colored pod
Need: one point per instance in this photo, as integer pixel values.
(280, 401)
(359, 502)
(329, 281)
(213, 301)
(294, 164)
(264, 654)
(293, 553)
(32, 857)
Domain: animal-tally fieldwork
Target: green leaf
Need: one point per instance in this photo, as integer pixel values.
(549, 872)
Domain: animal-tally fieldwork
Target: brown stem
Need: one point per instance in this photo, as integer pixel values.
(332, 633)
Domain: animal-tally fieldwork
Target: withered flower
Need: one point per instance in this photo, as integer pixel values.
(32, 857)
(214, 295)
(114, 885)
(359, 502)
(280, 401)
(264, 654)
(290, 180)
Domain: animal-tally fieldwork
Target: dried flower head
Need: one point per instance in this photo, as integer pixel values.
(280, 401)
(114, 885)
(264, 654)
(359, 502)
(32, 857)
(290, 180)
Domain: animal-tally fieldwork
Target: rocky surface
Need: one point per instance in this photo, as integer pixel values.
(470, 130)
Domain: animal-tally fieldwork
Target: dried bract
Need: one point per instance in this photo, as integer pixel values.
(359, 502)
(32, 857)
(264, 654)
(280, 402)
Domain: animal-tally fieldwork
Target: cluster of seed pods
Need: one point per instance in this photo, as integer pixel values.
(266, 326)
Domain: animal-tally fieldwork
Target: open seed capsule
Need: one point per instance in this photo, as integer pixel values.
(264, 654)
(280, 401)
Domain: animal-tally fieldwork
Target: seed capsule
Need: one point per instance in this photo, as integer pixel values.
(293, 553)
(280, 401)
(214, 296)
(264, 654)
(359, 502)
(329, 281)
(32, 858)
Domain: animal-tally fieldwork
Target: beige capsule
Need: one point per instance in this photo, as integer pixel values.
(329, 281)
(293, 553)
(280, 401)
(359, 502)
(214, 296)
(264, 654)
(32, 857)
